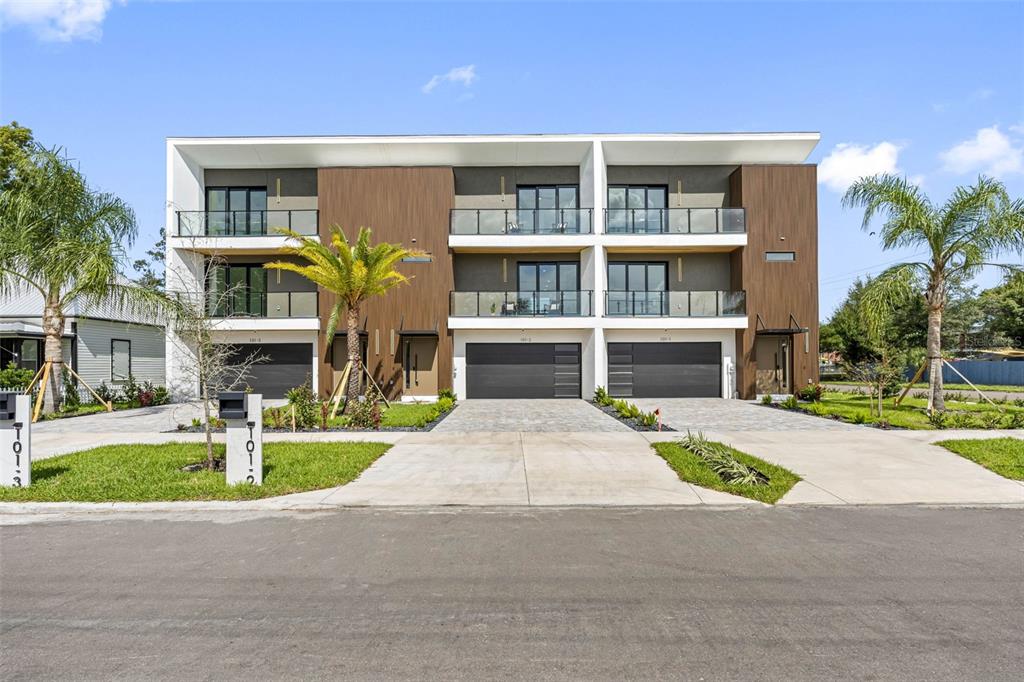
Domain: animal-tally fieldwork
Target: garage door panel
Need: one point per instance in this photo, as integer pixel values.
(522, 370)
(286, 366)
(664, 370)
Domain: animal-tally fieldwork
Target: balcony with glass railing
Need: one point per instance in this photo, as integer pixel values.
(253, 304)
(675, 221)
(521, 304)
(246, 223)
(524, 221)
(675, 303)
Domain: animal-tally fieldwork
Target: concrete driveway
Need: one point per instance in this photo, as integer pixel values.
(717, 414)
(549, 416)
(513, 469)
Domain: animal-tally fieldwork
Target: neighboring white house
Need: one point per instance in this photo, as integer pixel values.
(102, 344)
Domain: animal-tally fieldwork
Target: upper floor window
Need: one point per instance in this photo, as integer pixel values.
(637, 208)
(236, 210)
(548, 209)
(780, 256)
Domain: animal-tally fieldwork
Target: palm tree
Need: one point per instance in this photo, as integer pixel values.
(68, 242)
(354, 273)
(975, 225)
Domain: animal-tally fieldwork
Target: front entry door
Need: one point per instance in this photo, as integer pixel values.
(419, 366)
(774, 362)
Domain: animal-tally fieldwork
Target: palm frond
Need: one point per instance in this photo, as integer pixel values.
(909, 216)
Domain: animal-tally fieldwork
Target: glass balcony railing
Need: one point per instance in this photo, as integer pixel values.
(263, 304)
(493, 221)
(675, 303)
(521, 304)
(246, 223)
(675, 221)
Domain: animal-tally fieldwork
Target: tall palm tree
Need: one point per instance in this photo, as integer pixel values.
(354, 273)
(975, 226)
(69, 243)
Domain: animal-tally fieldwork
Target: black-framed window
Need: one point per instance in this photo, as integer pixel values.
(548, 287)
(780, 256)
(637, 287)
(120, 360)
(236, 289)
(236, 210)
(548, 208)
(25, 353)
(637, 208)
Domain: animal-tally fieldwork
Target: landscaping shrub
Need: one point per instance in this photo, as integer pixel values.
(1019, 402)
(766, 399)
(859, 418)
(721, 460)
(991, 420)
(648, 419)
(15, 377)
(445, 403)
(790, 403)
(446, 393)
(961, 420)
(1015, 420)
(366, 413)
(107, 394)
(954, 397)
(71, 399)
(131, 390)
(601, 397)
(938, 419)
(276, 417)
(161, 396)
(306, 405)
(811, 394)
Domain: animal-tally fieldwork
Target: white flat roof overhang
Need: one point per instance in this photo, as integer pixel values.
(494, 150)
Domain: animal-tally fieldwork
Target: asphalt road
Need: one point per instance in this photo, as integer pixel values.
(862, 593)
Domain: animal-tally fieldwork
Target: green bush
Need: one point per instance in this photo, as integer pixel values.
(445, 404)
(648, 419)
(790, 403)
(811, 394)
(446, 393)
(15, 377)
(860, 418)
(991, 420)
(938, 419)
(766, 399)
(306, 405)
(601, 397)
(161, 396)
(366, 414)
(1015, 421)
(107, 394)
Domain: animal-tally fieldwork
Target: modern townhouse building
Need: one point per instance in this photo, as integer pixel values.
(663, 265)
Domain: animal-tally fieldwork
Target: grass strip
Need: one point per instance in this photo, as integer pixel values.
(693, 469)
(1004, 456)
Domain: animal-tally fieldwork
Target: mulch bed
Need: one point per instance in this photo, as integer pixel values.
(631, 423)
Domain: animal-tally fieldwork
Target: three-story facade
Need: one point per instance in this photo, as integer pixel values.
(669, 265)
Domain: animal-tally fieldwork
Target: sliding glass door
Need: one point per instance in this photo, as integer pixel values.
(548, 209)
(637, 288)
(549, 289)
(637, 208)
(237, 291)
(236, 210)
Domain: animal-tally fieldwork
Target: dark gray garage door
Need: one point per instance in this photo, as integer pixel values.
(523, 370)
(665, 370)
(287, 365)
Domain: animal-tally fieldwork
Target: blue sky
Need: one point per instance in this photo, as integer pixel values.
(935, 91)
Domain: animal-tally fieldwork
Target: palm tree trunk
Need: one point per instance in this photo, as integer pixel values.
(53, 352)
(935, 399)
(352, 325)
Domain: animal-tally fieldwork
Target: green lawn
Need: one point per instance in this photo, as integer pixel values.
(1004, 456)
(911, 412)
(150, 473)
(946, 387)
(84, 409)
(693, 469)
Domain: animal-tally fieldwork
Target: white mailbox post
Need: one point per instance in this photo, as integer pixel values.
(243, 417)
(15, 440)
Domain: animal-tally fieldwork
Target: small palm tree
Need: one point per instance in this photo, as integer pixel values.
(975, 225)
(69, 243)
(355, 273)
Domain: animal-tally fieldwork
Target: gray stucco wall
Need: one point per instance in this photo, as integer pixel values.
(482, 271)
(703, 186)
(147, 351)
(480, 187)
(298, 185)
(701, 271)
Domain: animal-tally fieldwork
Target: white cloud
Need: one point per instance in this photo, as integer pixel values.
(990, 151)
(58, 20)
(848, 162)
(460, 74)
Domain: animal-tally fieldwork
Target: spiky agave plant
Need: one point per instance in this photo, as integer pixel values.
(721, 460)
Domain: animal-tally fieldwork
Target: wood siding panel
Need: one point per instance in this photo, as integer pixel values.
(410, 206)
(781, 202)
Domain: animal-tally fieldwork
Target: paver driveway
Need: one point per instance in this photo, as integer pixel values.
(551, 416)
(717, 414)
